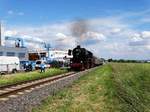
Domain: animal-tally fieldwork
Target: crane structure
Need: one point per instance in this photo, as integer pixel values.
(19, 42)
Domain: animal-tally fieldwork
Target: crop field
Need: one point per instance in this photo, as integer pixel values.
(114, 87)
(28, 76)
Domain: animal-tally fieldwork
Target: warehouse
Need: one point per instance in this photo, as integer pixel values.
(51, 54)
(37, 54)
(21, 53)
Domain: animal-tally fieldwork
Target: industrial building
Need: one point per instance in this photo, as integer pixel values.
(25, 54)
(21, 53)
(58, 55)
(51, 54)
(36, 54)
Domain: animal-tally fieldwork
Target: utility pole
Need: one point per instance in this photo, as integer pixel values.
(0, 34)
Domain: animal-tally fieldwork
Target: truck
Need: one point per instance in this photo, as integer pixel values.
(9, 64)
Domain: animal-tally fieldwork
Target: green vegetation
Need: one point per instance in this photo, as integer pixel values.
(126, 61)
(131, 83)
(115, 87)
(22, 77)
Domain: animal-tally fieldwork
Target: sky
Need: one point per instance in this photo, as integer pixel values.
(109, 28)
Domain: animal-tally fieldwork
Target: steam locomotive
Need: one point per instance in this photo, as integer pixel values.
(83, 59)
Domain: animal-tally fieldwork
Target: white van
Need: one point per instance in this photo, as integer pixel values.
(9, 64)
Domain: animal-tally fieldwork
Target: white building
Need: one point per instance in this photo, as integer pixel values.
(58, 55)
(21, 53)
(52, 55)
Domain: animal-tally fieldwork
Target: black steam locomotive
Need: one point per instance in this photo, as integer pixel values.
(83, 59)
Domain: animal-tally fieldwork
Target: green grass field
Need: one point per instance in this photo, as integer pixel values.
(21, 77)
(114, 87)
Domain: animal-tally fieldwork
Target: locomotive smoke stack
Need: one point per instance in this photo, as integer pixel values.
(78, 29)
(78, 46)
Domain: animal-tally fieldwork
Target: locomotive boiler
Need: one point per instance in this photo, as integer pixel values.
(82, 59)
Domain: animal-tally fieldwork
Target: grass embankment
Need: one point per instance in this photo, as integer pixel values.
(85, 95)
(131, 83)
(111, 88)
(28, 76)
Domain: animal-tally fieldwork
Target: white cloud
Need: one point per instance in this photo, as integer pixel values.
(140, 45)
(61, 35)
(20, 13)
(10, 33)
(106, 37)
(92, 38)
(141, 39)
(109, 22)
(116, 30)
(10, 12)
(95, 36)
(136, 37)
(146, 34)
(64, 41)
(145, 20)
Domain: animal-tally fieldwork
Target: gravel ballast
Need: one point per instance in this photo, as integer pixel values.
(25, 101)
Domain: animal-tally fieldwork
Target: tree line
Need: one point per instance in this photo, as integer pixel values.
(126, 61)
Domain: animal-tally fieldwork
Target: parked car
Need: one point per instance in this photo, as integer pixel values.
(9, 64)
(28, 65)
(38, 64)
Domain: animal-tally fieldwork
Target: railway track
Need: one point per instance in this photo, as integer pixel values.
(9, 90)
(24, 82)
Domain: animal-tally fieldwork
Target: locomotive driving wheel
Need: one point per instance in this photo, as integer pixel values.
(82, 67)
